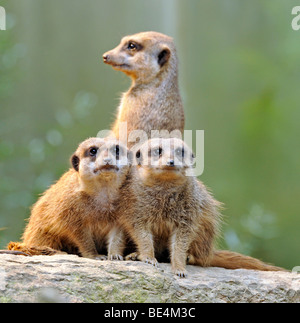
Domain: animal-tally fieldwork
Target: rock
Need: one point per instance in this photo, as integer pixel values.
(68, 278)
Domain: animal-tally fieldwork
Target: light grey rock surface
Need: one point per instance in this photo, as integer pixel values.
(68, 278)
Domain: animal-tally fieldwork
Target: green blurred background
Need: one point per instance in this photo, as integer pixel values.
(239, 79)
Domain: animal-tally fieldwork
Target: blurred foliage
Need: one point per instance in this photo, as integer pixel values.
(239, 76)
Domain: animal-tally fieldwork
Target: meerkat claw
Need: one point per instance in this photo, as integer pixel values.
(115, 257)
(180, 273)
(151, 261)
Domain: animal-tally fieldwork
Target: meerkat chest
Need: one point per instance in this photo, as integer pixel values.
(170, 202)
(106, 202)
(142, 109)
(165, 205)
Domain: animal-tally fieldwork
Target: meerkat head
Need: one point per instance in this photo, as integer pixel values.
(164, 158)
(143, 56)
(98, 159)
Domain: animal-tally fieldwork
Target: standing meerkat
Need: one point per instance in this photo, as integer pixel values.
(153, 101)
(78, 213)
(169, 210)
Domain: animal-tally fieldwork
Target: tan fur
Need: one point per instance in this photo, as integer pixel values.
(153, 101)
(169, 210)
(78, 213)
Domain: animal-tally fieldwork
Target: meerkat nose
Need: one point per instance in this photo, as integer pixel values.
(170, 162)
(107, 161)
(105, 57)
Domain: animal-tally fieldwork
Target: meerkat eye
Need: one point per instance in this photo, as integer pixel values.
(157, 152)
(179, 152)
(116, 150)
(93, 151)
(131, 46)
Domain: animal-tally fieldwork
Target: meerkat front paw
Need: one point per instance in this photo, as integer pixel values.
(115, 257)
(135, 256)
(149, 260)
(182, 273)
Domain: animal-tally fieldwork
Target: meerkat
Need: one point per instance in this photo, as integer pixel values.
(153, 101)
(169, 210)
(78, 213)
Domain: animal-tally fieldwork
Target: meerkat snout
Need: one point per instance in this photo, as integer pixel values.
(170, 162)
(105, 57)
(107, 161)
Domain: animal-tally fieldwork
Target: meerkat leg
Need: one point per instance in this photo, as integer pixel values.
(116, 244)
(86, 245)
(178, 250)
(144, 241)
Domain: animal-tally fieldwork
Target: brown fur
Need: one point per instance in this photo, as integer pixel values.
(78, 213)
(153, 101)
(233, 260)
(169, 210)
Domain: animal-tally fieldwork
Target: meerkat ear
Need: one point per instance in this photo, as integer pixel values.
(75, 162)
(163, 56)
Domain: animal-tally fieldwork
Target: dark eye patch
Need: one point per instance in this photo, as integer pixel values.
(156, 152)
(134, 46)
(131, 45)
(93, 151)
(116, 150)
(180, 152)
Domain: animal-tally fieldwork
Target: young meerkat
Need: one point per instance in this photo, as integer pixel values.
(78, 213)
(169, 210)
(153, 101)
